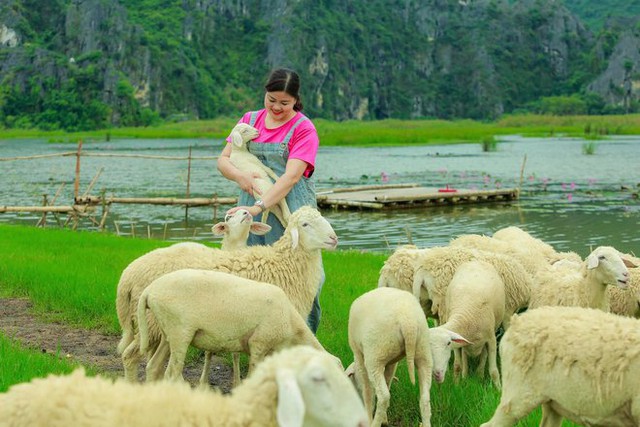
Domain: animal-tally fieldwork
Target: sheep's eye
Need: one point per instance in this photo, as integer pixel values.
(318, 378)
(601, 257)
(305, 224)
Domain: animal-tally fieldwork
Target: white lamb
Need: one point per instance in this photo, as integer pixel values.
(385, 325)
(235, 229)
(242, 159)
(296, 387)
(578, 363)
(475, 302)
(397, 272)
(436, 267)
(220, 312)
(518, 236)
(292, 263)
(585, 286)
(626, 302)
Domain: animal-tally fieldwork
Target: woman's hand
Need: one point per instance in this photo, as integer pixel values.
(247, 183)
(253, 210)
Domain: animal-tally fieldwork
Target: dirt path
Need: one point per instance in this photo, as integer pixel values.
(85, 346)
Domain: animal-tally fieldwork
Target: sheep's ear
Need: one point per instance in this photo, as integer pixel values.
(260, 228)
(220, 228)
(458, 340)
(628, 263)
(236, 138)
(294, 237)
(592, 261)
(290, 412)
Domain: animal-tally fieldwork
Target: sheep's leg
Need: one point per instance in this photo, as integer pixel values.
(424, 367)
(550, 418)
(482, 362)
(376, 375)
(516, 402)
(179, 346)
(635, 410)
(465, 363)
(236, 369)
(362, 378)
(131, 359)
(493, 364)
(206, 368)
(156, 363)
(457, 368)
(389, 373)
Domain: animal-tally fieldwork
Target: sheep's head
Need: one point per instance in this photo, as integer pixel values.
(308, 229)
(314, 391)
(441, 342)
(609, 266)
(236, 228)
(241, 134)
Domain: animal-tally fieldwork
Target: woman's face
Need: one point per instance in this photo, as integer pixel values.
(279, 106)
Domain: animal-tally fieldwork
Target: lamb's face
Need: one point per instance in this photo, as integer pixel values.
(609, 266)
(441, 342)
(311, 231)
(329, 397)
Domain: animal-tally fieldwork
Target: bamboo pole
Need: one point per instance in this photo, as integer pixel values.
(187, 195)
(43, 220)
(366, 187)
(59, 209)
(524, 162)
(91, 154)
(76, 183)
(197, 201)
(93, 182)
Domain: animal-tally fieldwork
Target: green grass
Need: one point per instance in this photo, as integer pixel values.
(376, 133)
(72, 277)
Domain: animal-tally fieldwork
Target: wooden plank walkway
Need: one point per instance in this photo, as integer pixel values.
(408, 196)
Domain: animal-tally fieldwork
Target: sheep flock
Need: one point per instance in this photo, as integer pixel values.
(557, 331)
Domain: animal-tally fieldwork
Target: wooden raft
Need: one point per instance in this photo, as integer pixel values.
(408, 196)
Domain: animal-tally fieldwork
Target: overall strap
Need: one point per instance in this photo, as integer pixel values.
(252, 118)
(290, 133)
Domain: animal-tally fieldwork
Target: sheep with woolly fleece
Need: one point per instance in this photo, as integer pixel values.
(299, 386)
(293, 263)
(397, 272)
(578, 363)
(235, 229)
(385, 325)
(435, 269)
(475, 302)
(244, 160)
(220, 312)
(585, 286)
(532, 260)
(518, 236)
(626, 302)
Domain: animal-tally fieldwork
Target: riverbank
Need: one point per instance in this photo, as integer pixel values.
(389, 132)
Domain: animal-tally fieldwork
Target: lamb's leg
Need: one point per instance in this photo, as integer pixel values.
(383, 397)
(457, 366)
(424, 367)
(516, 402)
(236, 369)
(206, 368)
(482, 362)
(465, 363)
(362, 378)
(493, 364)
(389, 373)
(155, 364)
(178, 346)
(131, 359)
(550, 418)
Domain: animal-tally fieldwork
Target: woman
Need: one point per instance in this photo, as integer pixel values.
(287, 142)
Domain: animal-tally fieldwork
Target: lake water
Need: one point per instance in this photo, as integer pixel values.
(569, 199)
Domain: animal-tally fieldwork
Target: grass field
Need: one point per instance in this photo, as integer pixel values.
(72, 276)
(377, 133)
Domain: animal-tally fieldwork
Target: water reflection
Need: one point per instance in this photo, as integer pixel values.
(571, 200)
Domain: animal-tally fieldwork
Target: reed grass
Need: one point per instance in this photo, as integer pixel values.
(390, 132)
(72, 277)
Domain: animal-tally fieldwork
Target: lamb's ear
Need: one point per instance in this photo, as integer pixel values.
(458, 340)
(294, 237)
(220, 228)
(236, 138)
(290, 411)
(260, 228)
(592, 261)
(628, 263)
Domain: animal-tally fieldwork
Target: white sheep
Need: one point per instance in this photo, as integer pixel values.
(242, 159)
(235, 229)
(220, 312)
(475, 301)
(435, 269)
(397, 272)
(385, 325)
(584, 286)
(518, 236)
(299, 386)
(293, 263)
(578, 363)
(626, 302)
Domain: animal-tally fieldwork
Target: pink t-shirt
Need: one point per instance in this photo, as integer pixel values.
(303, 144)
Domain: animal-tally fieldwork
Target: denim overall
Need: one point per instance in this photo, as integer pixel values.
(274, 154)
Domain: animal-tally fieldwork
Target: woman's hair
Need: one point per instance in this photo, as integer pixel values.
(285, 80)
